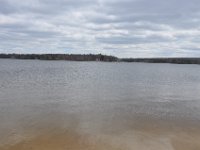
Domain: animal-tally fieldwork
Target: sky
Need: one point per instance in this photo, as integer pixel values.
(123, 28)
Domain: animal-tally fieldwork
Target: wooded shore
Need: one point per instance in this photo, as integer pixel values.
(100, 57)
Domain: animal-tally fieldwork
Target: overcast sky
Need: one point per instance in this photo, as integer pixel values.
(124, 28)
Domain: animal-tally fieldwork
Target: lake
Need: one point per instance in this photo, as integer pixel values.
(98, 105)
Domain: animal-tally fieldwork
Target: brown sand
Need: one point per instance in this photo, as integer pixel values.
(58, 141)
(142, 138)
(137, 134)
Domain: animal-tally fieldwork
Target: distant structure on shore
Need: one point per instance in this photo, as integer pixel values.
(100, 57)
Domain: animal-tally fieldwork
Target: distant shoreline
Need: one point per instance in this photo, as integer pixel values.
(99, 57)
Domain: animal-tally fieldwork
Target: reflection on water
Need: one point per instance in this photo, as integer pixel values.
(91, 105)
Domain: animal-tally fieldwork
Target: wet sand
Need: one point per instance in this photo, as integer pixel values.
(146, 135)
(61, 131)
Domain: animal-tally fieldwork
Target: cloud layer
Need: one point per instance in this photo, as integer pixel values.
(124, 28)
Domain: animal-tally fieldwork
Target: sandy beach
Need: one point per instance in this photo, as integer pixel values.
(147, 136)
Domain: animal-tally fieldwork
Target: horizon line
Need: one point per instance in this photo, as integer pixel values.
(161, 57)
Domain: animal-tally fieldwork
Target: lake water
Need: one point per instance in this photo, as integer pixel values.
(98, 105)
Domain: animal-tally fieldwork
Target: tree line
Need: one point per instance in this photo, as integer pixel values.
(100, 57)
(72, 57)
(164, 60)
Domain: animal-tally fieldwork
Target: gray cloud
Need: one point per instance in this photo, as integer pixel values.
(136, 28)
(133, 39)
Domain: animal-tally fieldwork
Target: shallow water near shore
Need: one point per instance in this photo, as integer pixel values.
(63, 105)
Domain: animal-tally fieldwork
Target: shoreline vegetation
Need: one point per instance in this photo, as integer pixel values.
(100, 57)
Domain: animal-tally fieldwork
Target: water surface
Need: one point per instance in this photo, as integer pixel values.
(96, 105)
